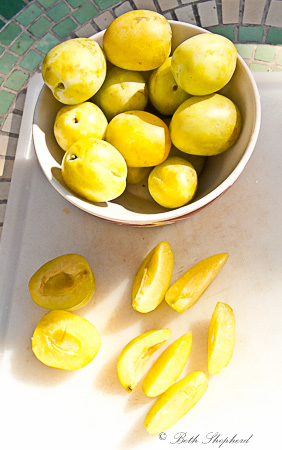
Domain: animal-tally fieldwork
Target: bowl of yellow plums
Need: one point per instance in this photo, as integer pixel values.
(146, 122)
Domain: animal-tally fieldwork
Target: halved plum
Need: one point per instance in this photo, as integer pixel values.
(66, 282)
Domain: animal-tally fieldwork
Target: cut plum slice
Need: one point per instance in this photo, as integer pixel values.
(221, 338)
(174, 403)
(135, 355)
(191, 285)
(168, 366)
(153, 278)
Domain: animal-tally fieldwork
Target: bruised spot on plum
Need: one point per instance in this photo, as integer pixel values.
(175, 87)
(138, 19)
(75, 120)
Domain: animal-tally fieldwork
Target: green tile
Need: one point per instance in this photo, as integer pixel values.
(22, 44)
(8, 9)
(1, 80)
(250, 34)
(16, 80)
(245, 50)
(265, 53)
(1, 24)
(76, 3)
(65, 27)
(29, 15)
(274, 36)
(276, 69)
(6, 99)
(58, 11)
(258, 67)
(7, 62)
(85, 13)
(46, 43)
(40, 26)
(226, 31)
(1, 49)
(103, 4)
(279, 58)
(9, 33)
(46, 3)
(31, 61)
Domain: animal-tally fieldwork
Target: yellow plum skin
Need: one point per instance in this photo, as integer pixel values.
(74, 70)
(168, 366)
(138, 40)
(175, 402)
(95, 170)
(221, 338)
(204, 63)
(152, 279)
(173, 183)
(165, 94)
(74, 122)
(122, 90)
(66, 341)
(135, 355)
(206, 125)
(66, 282)
(141, 137)
(191, 285)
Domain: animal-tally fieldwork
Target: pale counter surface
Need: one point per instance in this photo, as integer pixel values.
(89, 409)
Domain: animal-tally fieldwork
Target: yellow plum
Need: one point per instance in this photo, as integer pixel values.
(204, 63)
(123, 90)
(74, 70)
(173, 183)
(205, 125)
(141, 137)
(138, 40)
(74, 122)
(95, 170)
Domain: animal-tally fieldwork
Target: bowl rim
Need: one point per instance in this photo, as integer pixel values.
(172, 215)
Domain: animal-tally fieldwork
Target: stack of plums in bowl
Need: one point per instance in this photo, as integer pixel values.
(146, 122)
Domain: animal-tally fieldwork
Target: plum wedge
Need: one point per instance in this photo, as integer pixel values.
(191, 285)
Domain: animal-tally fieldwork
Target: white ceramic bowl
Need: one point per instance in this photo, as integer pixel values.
(135, 206)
